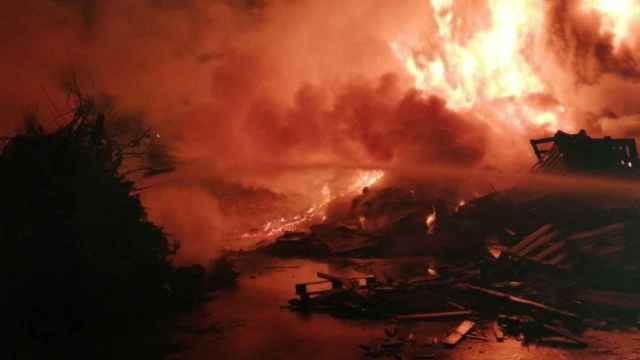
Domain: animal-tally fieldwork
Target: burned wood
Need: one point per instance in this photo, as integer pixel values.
(456, 305)
(336, 281)
(459, 333)
(431, 316)
(557, 259)
(612, 299)
(610, 250)
(550, 251)
(531, 238)
(603, 231)
(537, 268)
(521, 300)
(497, 331)
(477, 337)
(539, 242)
(565, 333)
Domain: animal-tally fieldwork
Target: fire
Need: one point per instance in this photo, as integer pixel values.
(317, 212)
(430, 221)
(488, 66)
(472, 70)
(618, 17)
(365, 179)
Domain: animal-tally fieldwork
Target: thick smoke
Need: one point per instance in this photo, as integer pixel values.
(248, 94)
(595, 78)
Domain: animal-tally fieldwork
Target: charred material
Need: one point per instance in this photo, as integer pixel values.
(581, 153)
(528, 262)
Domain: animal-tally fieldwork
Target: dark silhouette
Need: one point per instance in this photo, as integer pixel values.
(85, 269)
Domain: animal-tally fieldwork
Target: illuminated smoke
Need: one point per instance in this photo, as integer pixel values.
(619, 18)
(275, 97)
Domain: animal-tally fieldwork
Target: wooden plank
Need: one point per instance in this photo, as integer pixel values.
(497, 331)
(477, 337)
(551, 250)
(592, 234)
(431, 316)
(565, 333)
(610, 250)
(337, 281)
(531, 238)
(539, 242)
(555, 261)
(521, 300)
(459, 333)
(332, 278)
(612, 299)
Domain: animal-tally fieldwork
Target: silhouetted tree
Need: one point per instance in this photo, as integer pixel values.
(80, 255)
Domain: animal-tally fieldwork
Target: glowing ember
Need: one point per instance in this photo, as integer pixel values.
(362, 221)
(431, 221)
(366, 179)
(432, 272)
(618, 17)
(495, 251)
(277, 227)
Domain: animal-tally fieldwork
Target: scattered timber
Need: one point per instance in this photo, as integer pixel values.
(459, 333)
(432, 316)
(520, 300)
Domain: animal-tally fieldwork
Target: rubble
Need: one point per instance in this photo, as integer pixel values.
(324, 240)
(538, 265)
(503, 314)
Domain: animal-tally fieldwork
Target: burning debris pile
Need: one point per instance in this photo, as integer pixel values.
(561, 227)
(492, 298)
(483, 297)
(536, 263)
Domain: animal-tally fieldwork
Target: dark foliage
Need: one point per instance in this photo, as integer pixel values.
(82, 261)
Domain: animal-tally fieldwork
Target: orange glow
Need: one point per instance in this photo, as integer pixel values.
(430, 221)
(618, 17)
(317, 212)
(488, 65)
(365, 179)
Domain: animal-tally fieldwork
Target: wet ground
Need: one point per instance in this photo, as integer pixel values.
(249, 323)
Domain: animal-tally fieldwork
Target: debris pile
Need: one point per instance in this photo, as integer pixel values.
(535, 291)
(536, 264)
(491, 299)
(325, 240)
(580, 153)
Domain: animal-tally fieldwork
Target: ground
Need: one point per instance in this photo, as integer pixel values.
(249, 322)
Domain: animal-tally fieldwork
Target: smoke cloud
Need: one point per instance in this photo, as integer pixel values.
(590, 74)
(243, 91)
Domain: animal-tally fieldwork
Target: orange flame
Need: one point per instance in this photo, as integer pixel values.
(279, 226)
(618, 17)
(489, 65)
(430, 221)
